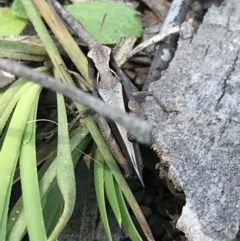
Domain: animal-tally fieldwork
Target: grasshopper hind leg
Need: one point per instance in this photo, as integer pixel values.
(114, 147)
(116, 150)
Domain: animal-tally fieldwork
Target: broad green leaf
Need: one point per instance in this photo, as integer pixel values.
(10, 24)
(18, 9)
(120, 20)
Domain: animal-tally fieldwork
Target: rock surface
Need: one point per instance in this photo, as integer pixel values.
(199, 144)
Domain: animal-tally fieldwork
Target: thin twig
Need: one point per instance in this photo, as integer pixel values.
(138, 128)
(155, 39)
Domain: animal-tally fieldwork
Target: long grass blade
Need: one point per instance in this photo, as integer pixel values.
(64, 37)
(99, 186)
(127, 223)
(16, 221)
(111, 193)
(29, 179)
(10, 151)
(65, 170)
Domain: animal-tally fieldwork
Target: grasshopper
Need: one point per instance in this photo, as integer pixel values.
(109, 88)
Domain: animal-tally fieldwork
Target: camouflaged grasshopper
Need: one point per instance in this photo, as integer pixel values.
(108, 87)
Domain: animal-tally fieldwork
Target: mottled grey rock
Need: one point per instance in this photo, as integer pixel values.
(199, 146)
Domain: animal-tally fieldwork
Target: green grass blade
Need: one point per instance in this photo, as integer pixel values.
(118, 205)
(16, 216)
(127, 223)
(10, 24)
(59, 65)
(56, 216)
(111, 193)
(99, 186)
(65, 169)
(52, 208)
(51, 215)
(91, 125)
(10, 151)
(64, 37)
(11, 96)
(29, 178)
(16, 221)
(19, 48)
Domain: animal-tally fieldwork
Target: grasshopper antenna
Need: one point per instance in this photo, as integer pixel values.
(101, 27)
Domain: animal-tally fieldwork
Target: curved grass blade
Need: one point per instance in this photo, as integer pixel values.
(16, 221)
(65, 169)
(10, 97)
(52, 208)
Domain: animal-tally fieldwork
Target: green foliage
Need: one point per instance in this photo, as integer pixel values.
(65, 170)
(105, 183)
(10, 24)
(25, 48)
(19, 10)
(46, 193)
(99, 187)
(120, 20)
(28, 164)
